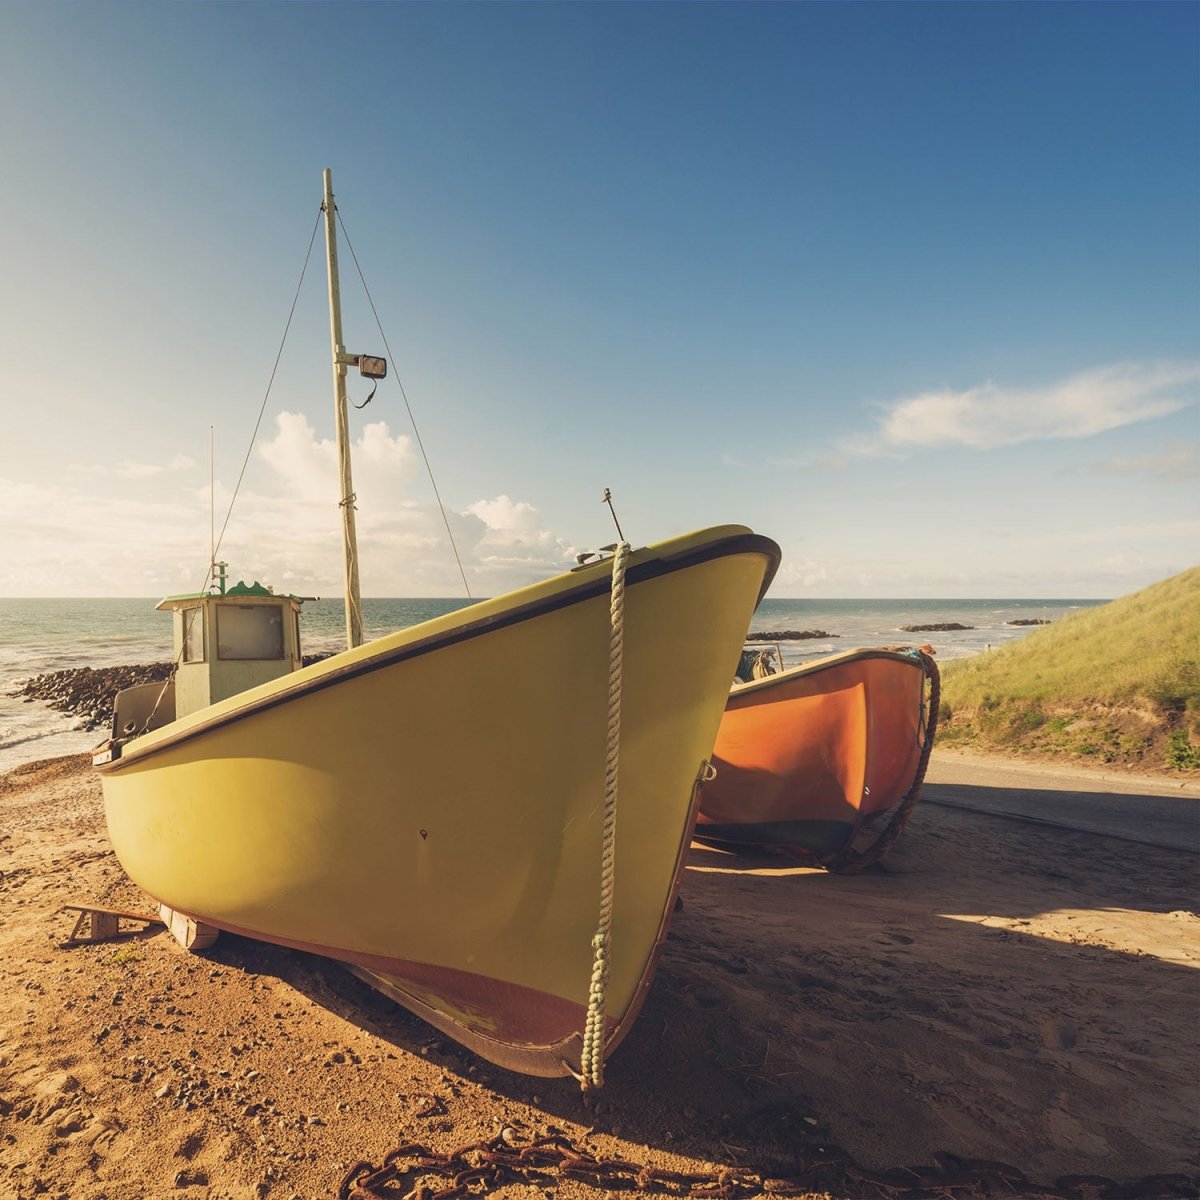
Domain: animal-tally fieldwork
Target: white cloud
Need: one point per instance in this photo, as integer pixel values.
(403, 544)
(1177, 462)
(134, 470)
(303, 463)
(61, 540)
(121, 532)
(989, 415)
(502, 514)
(514, 545)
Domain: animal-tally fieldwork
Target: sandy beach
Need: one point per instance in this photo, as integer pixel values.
(996, 990)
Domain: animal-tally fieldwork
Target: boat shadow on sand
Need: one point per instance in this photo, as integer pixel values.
(994, 990)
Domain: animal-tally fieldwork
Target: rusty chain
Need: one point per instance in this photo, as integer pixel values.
(482, 1167)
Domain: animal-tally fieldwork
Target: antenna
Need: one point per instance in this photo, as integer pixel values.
(607, 499)
(212, 502)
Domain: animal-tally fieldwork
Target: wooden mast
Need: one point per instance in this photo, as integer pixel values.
(340, 361)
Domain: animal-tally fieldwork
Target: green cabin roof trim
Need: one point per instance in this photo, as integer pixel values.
(239, 589)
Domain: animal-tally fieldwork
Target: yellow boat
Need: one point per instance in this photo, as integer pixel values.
(824, 761)
(429, 806)
(484, 815)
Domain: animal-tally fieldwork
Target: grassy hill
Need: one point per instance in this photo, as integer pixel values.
(1116, 684)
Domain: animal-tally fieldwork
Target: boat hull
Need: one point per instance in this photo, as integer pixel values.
(428, 808)
(809, 759)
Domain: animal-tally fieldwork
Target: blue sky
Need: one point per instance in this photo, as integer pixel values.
(911, 288)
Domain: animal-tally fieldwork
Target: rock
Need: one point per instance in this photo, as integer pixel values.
(88, 692)
(938, 627)
(790, 635)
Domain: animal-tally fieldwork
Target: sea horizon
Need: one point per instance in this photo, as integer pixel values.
(154, 599)
(44, 634)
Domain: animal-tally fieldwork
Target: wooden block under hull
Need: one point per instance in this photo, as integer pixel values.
(187, 931)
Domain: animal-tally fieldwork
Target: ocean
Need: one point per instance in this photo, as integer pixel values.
(50, 635)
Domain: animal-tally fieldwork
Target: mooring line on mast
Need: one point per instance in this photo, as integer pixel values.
(263, 407)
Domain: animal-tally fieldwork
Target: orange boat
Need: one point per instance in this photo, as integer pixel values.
(825, 761)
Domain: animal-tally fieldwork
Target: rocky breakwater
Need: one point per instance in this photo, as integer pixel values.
(87, 692)
(939, 627)
(789, 635)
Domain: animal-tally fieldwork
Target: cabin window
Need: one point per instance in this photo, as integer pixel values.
(250, 631)
(193, 634)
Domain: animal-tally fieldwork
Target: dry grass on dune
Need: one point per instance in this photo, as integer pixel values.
(1117, 684)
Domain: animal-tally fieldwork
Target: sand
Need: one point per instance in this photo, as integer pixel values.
(993, 991)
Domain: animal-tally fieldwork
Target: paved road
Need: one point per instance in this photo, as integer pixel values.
(1154, 810)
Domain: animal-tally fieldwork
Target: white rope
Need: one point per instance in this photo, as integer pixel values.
(592, 1055)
